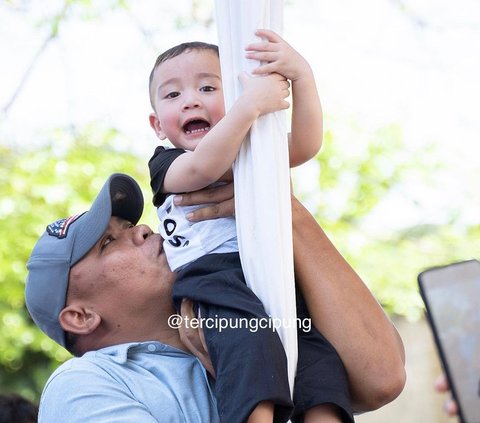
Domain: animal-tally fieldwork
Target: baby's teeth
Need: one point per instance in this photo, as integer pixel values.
(198, 130)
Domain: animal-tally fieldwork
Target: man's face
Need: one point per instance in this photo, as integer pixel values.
(188, 97)
(124, 275)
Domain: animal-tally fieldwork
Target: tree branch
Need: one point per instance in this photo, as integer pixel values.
(58, 18)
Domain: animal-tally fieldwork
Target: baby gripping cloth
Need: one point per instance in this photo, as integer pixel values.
(261, 173)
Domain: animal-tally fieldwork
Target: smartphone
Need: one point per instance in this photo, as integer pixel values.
(451, 295)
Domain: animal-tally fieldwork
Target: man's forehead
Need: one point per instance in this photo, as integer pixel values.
(117, 222)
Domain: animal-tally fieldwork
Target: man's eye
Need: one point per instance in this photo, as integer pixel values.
(107, 241)
(207, 88)
(173, 94)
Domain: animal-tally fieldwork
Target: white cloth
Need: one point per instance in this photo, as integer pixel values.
(261, 174)
(186, 241)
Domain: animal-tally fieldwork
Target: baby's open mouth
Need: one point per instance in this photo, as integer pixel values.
(196, 126)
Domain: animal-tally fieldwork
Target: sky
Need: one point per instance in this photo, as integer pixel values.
(376, 62)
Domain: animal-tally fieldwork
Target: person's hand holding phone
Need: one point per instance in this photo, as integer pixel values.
(449, 406)
(451, 294)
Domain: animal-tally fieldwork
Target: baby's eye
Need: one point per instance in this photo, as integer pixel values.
(207, 88)
(173, 94)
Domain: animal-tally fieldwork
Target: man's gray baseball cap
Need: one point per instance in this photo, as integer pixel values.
(65, 242)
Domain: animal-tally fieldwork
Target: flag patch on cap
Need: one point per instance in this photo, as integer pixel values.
(60, 227)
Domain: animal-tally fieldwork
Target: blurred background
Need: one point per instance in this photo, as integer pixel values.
(394, 184)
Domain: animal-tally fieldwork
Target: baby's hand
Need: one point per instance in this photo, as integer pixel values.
(266, 93)
(279, 56)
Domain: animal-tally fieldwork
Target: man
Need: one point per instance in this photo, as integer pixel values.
(100, 286)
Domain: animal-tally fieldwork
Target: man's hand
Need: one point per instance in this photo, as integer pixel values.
(193, 338)
(220, 202)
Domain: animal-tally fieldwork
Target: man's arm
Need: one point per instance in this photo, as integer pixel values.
(340, 304)
(216, 152)
(306, 134)
(346, 313)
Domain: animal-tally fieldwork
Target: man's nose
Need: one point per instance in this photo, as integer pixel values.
(141, 233)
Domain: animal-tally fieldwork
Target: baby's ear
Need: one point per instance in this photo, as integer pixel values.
(155, 124)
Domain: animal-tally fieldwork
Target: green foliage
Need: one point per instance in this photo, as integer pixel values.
(359, 180)
(38, 187)
(360, 174)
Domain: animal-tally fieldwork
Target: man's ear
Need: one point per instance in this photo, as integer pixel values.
(155, 124)
(79, 320)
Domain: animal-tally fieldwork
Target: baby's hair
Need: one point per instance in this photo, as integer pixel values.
(177, 51)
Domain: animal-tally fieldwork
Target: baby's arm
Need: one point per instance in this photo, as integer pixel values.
(307, 119)
(216, 152)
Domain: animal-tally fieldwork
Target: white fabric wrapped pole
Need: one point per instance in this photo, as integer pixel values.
(261, 175)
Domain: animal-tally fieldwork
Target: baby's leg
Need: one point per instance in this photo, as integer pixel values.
(325, 413)
(247, 355)
(263, 413)
(321, 393)
(250, 365)
(194, 339)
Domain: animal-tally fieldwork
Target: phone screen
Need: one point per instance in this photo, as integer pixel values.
(452, 299)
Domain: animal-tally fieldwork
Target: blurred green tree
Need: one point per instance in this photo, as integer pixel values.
(37, 187)
(363, 189)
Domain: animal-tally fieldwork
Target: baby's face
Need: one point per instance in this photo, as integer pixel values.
(188, 97)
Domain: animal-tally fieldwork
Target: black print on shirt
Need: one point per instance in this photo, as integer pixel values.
(177, 240)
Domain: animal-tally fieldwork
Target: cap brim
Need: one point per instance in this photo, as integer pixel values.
(120, 196)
